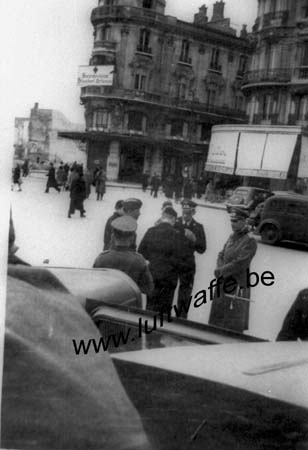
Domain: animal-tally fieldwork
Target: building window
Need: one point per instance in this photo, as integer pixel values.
(136, 121)
(239, 102)
(210, 96)
(144, 41)
(103, 33)
(177, 127)
(100, 119)
(184, 56)
(147, 4)
(140, 81)
(305, 9)
(214, 65)
(304, 61)
(242, 65)
(181, 91)
(205, 132)
(266, 107)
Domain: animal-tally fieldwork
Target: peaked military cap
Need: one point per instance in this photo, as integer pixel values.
(170, 211)
(125, 224)
(167, 203)
(132, 203)
(119, 204)
(188, 204)
(238, 214)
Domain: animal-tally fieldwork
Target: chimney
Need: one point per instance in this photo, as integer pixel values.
(201, 17)
(218, 11)
(35, 106)
(244, 32)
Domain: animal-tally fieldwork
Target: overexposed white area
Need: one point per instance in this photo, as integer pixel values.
(44, 42)
(43, 232)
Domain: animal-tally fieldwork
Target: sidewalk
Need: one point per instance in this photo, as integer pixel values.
(119, 185)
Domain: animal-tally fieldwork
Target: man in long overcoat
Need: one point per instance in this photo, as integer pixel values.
(232, 265)
(51, 180)
(192, 240)
(77, 195)
(161, 247)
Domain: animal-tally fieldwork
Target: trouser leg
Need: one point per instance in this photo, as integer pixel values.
(185, 290)
(162, 297)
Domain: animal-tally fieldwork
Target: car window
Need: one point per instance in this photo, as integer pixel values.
(297, 208)
(276, 205)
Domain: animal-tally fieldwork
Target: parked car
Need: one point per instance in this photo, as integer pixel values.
(284, 217)
(247, 197)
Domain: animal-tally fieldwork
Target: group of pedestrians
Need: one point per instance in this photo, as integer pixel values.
(166, 258)
(174, 186)
(168, 246)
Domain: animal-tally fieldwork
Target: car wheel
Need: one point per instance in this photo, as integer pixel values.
(269, 234)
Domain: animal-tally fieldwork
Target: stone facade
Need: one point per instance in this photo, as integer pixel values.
(173, 81)
(37, 137)
(276, 86)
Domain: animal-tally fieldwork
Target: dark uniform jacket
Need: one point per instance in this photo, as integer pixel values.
(108, 229)
(161, 247)
(295, 325)
(129, 262)
(188, 247)
(55, 398)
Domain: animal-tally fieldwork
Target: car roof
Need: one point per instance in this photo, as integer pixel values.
(289, 196)
(252, 188)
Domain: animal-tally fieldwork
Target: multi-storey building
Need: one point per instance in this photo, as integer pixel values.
(276, 86)
(37, 137)
(173, 81)
(276, 91)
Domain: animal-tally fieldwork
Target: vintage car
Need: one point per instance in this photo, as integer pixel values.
(194, 386)
(284, 217)
(247, 197)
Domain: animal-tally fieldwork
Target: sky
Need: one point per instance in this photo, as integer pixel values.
(44, 41)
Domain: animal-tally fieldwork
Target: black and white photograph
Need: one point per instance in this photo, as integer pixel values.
(154, 225)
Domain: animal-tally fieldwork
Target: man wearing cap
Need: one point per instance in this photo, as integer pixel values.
(117, 213)
(121, 257)
(232, 266)
(161, 247)
(131, 208)
(193, 239)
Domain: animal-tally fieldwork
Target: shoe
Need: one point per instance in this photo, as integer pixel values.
(69, 216)
(83, 215)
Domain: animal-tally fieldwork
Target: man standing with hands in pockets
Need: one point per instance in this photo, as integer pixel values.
(193, 239)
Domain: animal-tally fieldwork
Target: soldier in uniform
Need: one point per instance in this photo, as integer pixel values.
(117, 213)
(131, 208)
(161, 247)
(232, 265)
(193, 239)
(121, 257)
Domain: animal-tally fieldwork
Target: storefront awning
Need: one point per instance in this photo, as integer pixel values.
(303, 161)
(222, 152)
(265, 155)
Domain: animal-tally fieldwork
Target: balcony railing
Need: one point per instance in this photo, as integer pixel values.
(281, 75)
(162, 100)
(124, 12)
(301, 72)
(108, 45)
(275, 19)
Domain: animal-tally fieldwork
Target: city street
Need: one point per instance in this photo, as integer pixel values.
(43, 232)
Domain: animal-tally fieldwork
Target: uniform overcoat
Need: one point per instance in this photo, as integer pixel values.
(233, 263)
